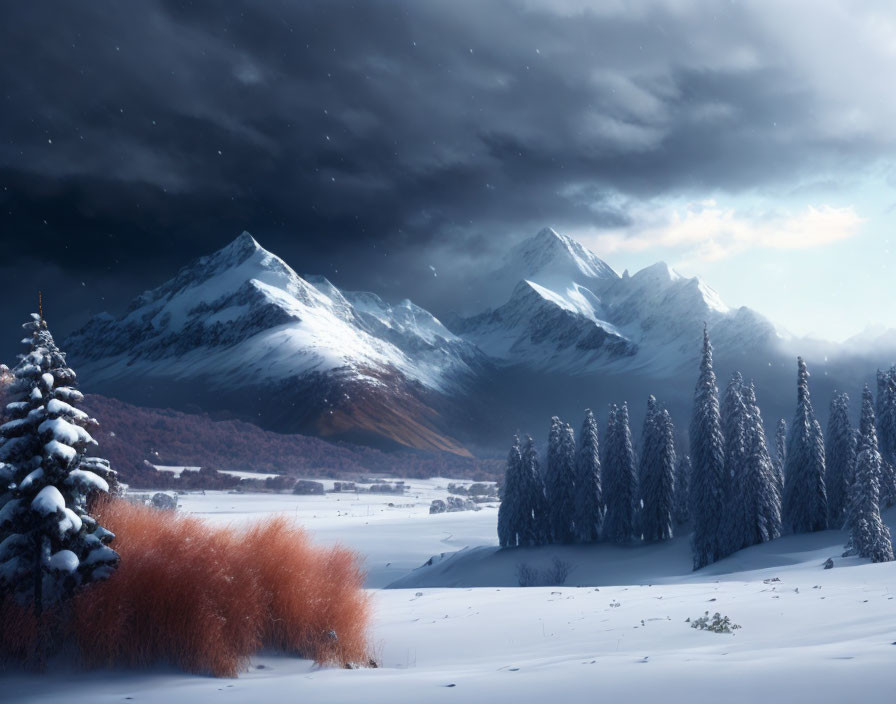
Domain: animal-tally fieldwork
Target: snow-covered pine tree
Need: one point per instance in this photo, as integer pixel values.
(683, 489)
(707, 468)
(589, 495)
(563, 506)
(608, 441)
(50, 544)
(511, 515)
(760, 498)
(536, 520)
(840, 459)
(886, 423)
(560, 481)
(780, 454)
(733, 412)
(869, 537)
(619, 519)
(734, 420)
(805, 506)
(658, 480)
(647, 457)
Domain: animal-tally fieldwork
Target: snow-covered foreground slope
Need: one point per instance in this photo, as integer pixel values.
(813, 636)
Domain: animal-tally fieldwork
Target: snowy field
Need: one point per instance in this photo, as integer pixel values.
(807, 634)
(393, 533)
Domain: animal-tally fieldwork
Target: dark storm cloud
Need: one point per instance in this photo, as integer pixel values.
(361, 139)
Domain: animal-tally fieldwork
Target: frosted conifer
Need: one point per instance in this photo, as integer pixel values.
(805, 499)
(780, 454)
(622, 487)
(658, 479)
(535, 509)
(589, 494)
(49, 544)
(761, 517)
(734, 420)
(683, 489)
(869, 537)
(840, 460)
(707, 468)
(886, 423)
(560, 481)
(511, 513)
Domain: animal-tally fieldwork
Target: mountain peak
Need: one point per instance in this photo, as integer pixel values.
(551, 260)
(236, 252)
(245, 241)
(660, 271)
(547, 234)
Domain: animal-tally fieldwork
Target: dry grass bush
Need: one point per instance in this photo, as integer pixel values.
(205, 598)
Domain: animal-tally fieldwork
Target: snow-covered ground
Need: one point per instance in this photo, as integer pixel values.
(394, 533)
(807, 634)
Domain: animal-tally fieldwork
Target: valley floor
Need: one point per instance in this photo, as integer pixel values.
(807, 634)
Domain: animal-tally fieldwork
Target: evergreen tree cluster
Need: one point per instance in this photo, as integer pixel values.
(886, 434)
(591, 491)
(730, 486)
(736, 490)
(741, 495)
(868, 536)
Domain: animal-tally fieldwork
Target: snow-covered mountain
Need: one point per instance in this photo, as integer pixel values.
(569, 312)
(241, 326)
(239, 333)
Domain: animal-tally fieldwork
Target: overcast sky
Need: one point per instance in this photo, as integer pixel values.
(751, 143)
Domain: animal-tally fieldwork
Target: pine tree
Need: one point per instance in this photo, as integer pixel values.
(840, 459)
(734, 421)
(560, 481)
(622, 488)
(887, 435)
(647, 458)
(707, 457)
(733, 413)
(589, 495)
(49, 544)
(658, 480)
(608, 441)
(869, 537)
(760, 498)
(780, 454)
(805, 498)
(683, 490)
(511, 514)
(536, 519)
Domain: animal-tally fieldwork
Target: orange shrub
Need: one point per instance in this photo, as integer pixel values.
(206, 598)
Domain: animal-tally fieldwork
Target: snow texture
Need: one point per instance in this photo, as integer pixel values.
(807, 635)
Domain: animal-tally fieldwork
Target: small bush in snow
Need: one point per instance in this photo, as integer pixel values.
(163, 501)
(558, 572)
(527, 576)
(553, 576)
(715, 623)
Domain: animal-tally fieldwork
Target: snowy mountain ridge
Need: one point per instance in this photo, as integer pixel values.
(240, 331)
(244, 310)
(569, 311)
